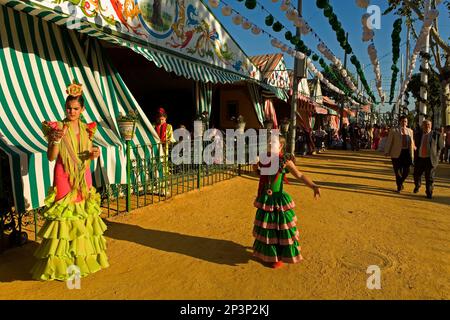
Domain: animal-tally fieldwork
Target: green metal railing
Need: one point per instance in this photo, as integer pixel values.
(152, 178)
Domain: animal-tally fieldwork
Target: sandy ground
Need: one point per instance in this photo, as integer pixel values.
(198, 245)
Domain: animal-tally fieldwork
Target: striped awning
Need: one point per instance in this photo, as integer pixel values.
(306, 104)
(192, 70)
(180, 65)
(38, 59)
(271, 92)
(331, 112)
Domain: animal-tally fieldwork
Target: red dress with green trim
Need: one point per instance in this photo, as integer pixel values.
(73, 230)
(275, 229)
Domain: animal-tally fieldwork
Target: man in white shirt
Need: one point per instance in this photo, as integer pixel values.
(427, 157)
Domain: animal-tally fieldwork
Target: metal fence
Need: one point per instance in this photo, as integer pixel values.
(152, 177)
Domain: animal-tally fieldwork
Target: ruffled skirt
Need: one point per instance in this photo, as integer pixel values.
(275, 229)
(72, 238)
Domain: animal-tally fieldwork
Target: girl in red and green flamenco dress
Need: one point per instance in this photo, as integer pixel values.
(73, 230)
(275, 228)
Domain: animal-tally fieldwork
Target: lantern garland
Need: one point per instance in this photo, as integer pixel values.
(368, 35)
(342, 39)
(372, 51)
(240, 19)
(395, 55)
(293, 15)
(430, 16)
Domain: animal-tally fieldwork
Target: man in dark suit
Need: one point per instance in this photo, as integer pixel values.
(429, 145)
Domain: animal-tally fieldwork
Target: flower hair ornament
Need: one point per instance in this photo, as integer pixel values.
(75, 89)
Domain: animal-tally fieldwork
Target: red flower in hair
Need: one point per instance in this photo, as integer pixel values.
(162, 112)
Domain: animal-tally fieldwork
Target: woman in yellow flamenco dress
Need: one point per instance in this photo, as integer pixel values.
(73, 230)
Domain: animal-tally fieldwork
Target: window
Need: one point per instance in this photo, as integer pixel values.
(232, 109)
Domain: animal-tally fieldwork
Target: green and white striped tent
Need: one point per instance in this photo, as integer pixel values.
(172, 62)
(37, 61)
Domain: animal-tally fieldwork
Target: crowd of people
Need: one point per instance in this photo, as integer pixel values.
(356, 137)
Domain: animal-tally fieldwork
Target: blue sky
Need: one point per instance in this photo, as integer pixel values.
(350, 17)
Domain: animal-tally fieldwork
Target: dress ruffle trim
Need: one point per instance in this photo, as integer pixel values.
(273, 253)
(276, 225)
(274, 237)
(72, 236)
(272, 203)
(66, 208)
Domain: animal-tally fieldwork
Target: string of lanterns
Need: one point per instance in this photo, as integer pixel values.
(336, 25)
(368, 35)
(430, 16)
(395, 55)
(239, 19)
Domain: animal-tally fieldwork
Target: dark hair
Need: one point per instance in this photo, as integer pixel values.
(80, 100)
(403, 118)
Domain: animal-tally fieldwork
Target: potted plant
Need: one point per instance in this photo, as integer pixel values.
(127, 124)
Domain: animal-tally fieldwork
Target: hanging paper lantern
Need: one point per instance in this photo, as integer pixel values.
(288, 35)
(364, 19)
(284, 48)
(274, 1)
(299, 22)
(327, 12)
(250, 4)
(256, 30)
(305, 30)
(237, 19)
(285, 5)
(274, 43)
(227, 10)
(362, 3)
(291, 14)
(321, 4)
(214, 3)
(277, 26)
(269, 20)
(295, 40)
(246, 25)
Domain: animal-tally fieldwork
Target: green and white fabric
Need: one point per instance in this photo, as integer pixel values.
(256, 98)
(181, 66)
(37, 61)
(203, 97)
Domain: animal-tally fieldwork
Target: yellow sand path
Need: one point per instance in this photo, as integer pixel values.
(198, 245)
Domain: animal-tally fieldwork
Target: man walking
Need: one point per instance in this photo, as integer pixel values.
(427, 157)
(400, 147)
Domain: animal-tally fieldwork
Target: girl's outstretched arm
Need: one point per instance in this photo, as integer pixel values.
(301, 177)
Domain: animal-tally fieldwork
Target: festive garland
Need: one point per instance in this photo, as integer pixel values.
(342, 39)
(293, 15)
(238, 19)
(430, 16)
(357, 64)
(395, 55)
(368, 35)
